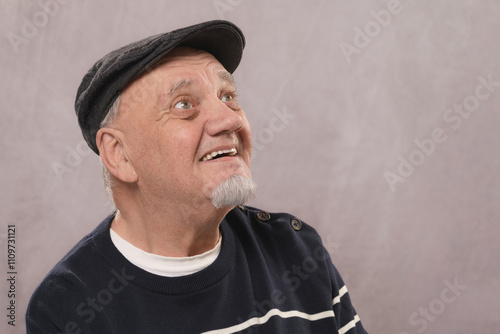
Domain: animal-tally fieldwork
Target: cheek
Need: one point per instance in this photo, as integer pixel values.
(246, 137)
(178, 144)
(147, 147)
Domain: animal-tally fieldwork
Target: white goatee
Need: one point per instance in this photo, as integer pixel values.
(233, 191)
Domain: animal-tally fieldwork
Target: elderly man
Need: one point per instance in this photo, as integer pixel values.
(181, 254)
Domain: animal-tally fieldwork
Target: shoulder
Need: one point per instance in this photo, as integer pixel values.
(278, 222)
(81, 254)
(274, 229)
(66, 279)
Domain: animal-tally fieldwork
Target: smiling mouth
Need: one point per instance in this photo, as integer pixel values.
(219, 154)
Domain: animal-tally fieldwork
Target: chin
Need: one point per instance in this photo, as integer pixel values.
(233, 191)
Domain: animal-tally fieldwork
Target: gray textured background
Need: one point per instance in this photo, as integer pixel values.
(354, 119)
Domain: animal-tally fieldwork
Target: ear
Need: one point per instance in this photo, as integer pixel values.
(113, 155)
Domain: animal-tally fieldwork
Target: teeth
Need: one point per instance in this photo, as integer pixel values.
(231, 152)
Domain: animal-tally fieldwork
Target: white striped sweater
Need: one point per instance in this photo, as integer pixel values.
(272, 275)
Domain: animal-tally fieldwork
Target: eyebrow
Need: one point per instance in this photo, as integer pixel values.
(179, 85)
(227, 77)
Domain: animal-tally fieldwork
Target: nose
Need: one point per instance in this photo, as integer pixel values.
(222, 119)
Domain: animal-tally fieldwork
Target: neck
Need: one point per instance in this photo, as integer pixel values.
(174, 231)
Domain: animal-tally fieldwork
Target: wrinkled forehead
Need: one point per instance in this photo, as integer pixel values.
(181, 68)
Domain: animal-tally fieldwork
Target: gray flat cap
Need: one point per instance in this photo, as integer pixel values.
(110, 75)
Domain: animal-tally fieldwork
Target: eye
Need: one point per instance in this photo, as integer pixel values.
(229, 97)
(184, 105)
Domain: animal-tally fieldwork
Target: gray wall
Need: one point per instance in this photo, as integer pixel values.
(336, 114)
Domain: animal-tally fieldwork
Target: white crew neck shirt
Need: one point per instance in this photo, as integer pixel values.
(164, 265)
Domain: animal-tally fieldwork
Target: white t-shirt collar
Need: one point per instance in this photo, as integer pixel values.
(163, 265)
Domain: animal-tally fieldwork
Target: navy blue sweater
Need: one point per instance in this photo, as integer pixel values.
(272, 275)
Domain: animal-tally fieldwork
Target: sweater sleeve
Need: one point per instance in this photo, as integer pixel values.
(348, 321)
(53, 307)
(39, 322)
(44, 312)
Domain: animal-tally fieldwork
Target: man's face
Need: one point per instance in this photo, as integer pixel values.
(183, 130)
